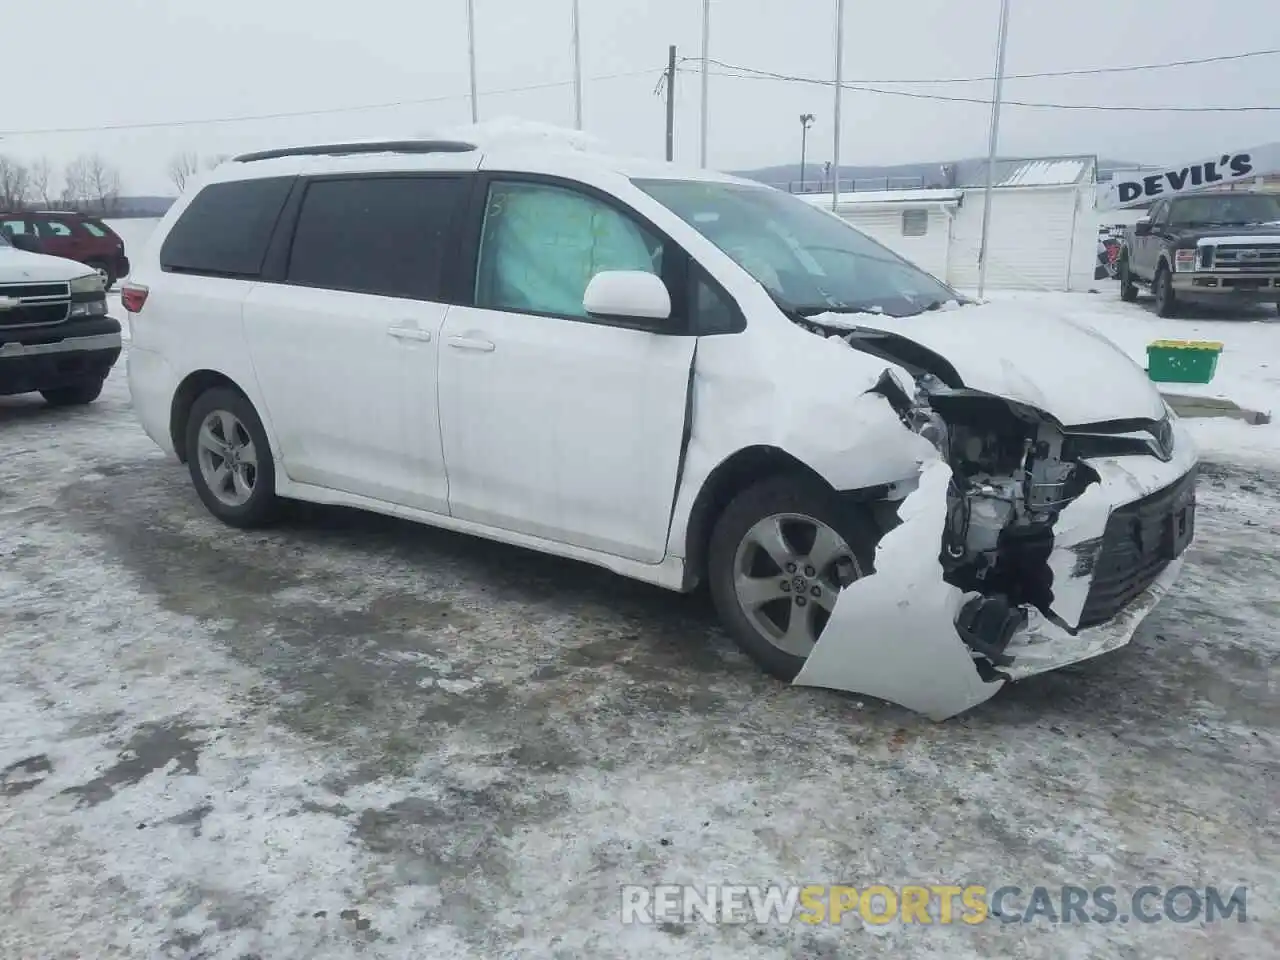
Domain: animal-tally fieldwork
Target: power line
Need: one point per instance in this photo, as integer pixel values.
(244, 118)
(1084, 72)
(749, 73)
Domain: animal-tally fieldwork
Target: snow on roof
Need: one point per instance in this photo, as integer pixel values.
(1045, 173)
(948, 197)
(513, 132)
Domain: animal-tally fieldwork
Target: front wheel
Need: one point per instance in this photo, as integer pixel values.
(780, 555)
(230, 459)
(76, 395)
(1166, 303)
(1128, 289)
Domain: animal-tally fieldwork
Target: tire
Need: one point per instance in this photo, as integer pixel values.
(1162, 287)
(108, 275)
(1128, 290)
(760, 632)
(238, 496)
(74, 396)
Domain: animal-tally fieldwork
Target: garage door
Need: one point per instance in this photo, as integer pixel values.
(1030, 239)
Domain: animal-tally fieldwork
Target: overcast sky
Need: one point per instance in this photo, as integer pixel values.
(83, 63)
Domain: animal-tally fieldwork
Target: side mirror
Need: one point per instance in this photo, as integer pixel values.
(1142, 227)
(627, 295)
(27, 242)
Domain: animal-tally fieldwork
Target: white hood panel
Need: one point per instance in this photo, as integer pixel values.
(1071, 372)
(19, 266)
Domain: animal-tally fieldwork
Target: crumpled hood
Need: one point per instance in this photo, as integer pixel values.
(19, 266)
(1016, 351)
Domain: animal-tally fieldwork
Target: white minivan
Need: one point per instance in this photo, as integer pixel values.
(681, 376)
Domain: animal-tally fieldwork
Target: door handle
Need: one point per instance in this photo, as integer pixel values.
(472, 343)
(409, 333)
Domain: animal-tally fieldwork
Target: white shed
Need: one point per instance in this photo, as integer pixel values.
(1043, 233)
(914, 223)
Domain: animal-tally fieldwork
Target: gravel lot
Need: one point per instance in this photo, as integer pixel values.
(356, 737)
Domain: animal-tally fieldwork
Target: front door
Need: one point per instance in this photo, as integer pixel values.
(1148, 247)
(346, 348)
(555, 424)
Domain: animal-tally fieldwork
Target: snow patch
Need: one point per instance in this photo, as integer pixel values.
(508, 132)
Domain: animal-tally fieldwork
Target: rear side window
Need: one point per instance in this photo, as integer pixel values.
(379, 235)
(53, 228)
(226, 229)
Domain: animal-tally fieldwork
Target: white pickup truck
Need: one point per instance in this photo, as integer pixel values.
(55, 336)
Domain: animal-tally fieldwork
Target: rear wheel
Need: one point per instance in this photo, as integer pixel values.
(780, 555)
(1162, 287)
(1128, 289)
(73, 396)
(230, 459)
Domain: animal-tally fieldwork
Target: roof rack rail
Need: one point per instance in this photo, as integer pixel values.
(345, 149)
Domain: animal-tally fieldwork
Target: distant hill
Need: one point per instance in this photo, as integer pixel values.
(944, 173)
(142, 207)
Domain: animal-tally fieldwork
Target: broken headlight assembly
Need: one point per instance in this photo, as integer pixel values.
(1012, 475)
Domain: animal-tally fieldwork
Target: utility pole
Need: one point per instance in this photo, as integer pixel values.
(577, 68)
(471, 56)
(671, 103)
(1001, 41)
(706, 79)
(835, 159)
(806, 120)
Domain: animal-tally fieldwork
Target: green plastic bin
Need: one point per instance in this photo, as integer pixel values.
(1182, 361)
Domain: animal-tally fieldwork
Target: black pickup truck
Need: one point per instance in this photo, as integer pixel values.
(1221, 248)
(55, 335)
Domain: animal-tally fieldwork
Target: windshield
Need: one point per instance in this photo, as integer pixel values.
(1243, 208)
(810, 261)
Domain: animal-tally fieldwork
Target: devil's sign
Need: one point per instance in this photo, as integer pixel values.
(1137, 187)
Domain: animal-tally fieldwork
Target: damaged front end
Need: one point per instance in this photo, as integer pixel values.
(1027, 545)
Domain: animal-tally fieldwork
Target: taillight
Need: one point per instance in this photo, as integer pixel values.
(133, 296)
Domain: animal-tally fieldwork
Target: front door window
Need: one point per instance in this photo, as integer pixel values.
(542, 245)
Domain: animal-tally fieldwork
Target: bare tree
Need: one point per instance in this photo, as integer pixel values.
(15, 184)
(41, 175)
(182, 168)
(104, 185)
(76, 189)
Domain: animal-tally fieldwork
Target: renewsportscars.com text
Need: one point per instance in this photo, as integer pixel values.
(972, 904)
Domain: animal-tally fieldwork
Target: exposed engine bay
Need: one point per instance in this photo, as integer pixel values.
(1014, 470)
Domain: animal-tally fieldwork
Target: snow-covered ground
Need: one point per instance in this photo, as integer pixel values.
(134, 232)
(354, 737)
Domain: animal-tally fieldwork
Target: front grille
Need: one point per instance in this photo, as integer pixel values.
(34, 304)
(35, 291)
(1261, 257)
(1140, 540)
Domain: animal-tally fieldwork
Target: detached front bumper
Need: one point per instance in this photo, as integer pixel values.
(1219, 285)
(1117, 550)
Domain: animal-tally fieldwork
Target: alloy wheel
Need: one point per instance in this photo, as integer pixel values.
(787, 573)
(228, 458)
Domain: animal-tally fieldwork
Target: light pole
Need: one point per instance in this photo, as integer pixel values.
(706, 77)
(806, 121)
(835, 156)
(471, 58)
(1001, 41)
(577, 68)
